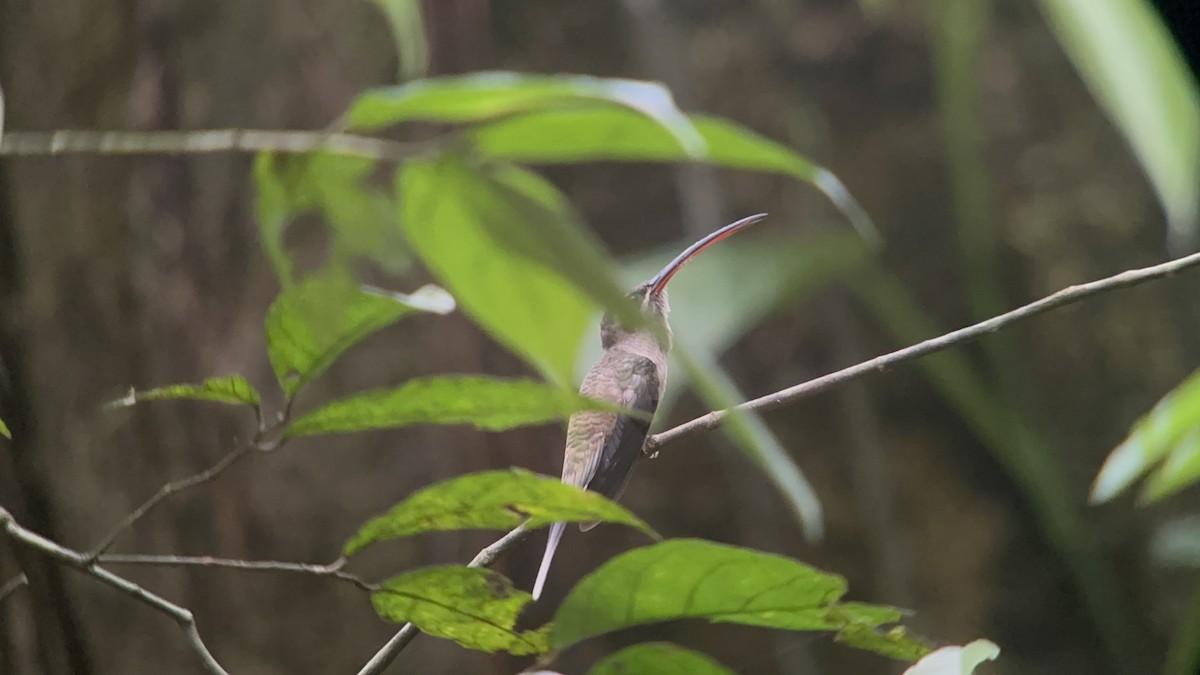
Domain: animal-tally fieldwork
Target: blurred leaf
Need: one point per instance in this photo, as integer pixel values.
(658, 658)
(230, 389)
(453, 217)
(894, 643)
(486, 403)
(575, 135)
(312, 323)
(956, 660)
(752, 436)
(492, 500)
(361, 218)
(1170, 432)
(484, 96)
(1176, 543)
(694, 579)
(476, 608)
(408, 32)
(1136, 72)
(4, 431)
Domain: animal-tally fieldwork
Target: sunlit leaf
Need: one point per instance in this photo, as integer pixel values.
(956, 660)
(483, 96)
(597, 134)
(1168, 432)
(486, 403)
(1137, 73)
(408, 32)
(477, 608)
(312, 323)
(492, 500)
(658, 658)
(451, 215)
(694, 579)
(230, 389)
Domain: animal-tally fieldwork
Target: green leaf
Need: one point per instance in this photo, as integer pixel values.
(408, 31)
(483, 96)
(694, 579)
(230, 389)
(1137, 74)
(312, 323)
(476, 608)
(575, 135)
(492, 500)
(453, 217)
(4, 431)
(1168, 432)
(274, 208)
(487, 403)
(658, 658)
(894, 643)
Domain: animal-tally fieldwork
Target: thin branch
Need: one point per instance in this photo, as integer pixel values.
(384, 657)
(333, 570)
(166, 491)
(790, 395)
(79, 561)
(64, 141)
(12, 585)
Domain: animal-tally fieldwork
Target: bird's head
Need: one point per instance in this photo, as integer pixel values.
(651, 295)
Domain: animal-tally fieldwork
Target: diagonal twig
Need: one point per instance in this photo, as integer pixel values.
(333, 570)
(12, 585)
(79, 561)
(790, 395)
(485, 558)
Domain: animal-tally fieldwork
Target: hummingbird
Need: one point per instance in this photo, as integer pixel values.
(602, 447)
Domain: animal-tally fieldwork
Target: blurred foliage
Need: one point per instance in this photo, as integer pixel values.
(232, 389)
(492, 500)
(658, 658)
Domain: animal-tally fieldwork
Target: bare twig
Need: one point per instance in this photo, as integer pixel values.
(164, 492)
(12, 585)
(790, 395)
(79, 561)
(64, 141)
(333, 570)
(384, 657)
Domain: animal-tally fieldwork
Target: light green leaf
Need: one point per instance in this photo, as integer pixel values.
(408, 31)
(459, 222)
(1168, 432)
(312, 323)
(1136, 72)
(230, 389)
(273, 208)
(575, 135)
(4, 431)
(477, 608)
(694, 579)
(492, 500)
(483, 96)
(658, 658)
(486, 403)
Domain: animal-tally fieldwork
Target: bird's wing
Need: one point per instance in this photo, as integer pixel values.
(613, 441)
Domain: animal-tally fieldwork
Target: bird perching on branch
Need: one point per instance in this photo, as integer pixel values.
(602, 447)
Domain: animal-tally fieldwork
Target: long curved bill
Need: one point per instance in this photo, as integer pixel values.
(659, 282)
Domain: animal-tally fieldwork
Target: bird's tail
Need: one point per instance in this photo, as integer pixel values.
(556, 532)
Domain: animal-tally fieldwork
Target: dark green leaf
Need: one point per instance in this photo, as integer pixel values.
(658, 658)
(1170, 434)
(312, 323)
(230, 389)
(894, 643)
(492, 500)
(477, 608)
(577, 135)
(486, 403)
(1116, 45)
(483, 96)
(4, 431)
(450, 214)
(693, 579)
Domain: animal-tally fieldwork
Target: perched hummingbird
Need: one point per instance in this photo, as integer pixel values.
(603, 446)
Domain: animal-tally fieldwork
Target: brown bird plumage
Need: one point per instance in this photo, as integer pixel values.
(602, 447)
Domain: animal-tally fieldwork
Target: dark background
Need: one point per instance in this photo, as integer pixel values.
(118, 272)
